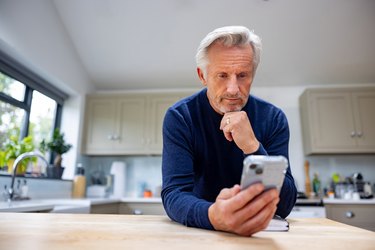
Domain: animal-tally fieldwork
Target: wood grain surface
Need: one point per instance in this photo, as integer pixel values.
(88, 231)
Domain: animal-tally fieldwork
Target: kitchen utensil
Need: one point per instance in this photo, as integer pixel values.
(307, 178)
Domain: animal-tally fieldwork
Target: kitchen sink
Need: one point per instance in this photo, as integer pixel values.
(47, 205)
(25, 206)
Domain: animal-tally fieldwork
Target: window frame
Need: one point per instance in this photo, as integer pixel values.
(11, 67)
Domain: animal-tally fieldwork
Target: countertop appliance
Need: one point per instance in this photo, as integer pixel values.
(118, 170)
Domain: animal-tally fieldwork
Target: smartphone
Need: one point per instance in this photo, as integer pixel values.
(269, 170)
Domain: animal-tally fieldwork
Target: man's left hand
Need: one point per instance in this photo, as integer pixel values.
(236, 127)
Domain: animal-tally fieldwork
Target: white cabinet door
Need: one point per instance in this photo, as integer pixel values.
(339, 120)
(364, 113)
(333, 121)
(100, 125)
(158, 105)
(131, 125)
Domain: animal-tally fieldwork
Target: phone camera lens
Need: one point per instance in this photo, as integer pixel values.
(259, 171)
(253, 166)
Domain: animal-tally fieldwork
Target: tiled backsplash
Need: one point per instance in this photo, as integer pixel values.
(344, 165)
(141, 172)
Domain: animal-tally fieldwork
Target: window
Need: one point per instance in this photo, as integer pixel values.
(25, 112)
(30, 106)
(42, 117)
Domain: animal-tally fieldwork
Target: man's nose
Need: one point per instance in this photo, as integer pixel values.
(232, 85)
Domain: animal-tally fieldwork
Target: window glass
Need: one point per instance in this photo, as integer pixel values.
(11, 121)
(42, 117)
(12, 87)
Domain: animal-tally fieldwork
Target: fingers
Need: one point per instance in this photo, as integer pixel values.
(258, 204)
(226, 126)
(245, 196)
(222, 212)
(244, 212)
(264, 207)
(227, 193)
(258, 222)
(236, 127)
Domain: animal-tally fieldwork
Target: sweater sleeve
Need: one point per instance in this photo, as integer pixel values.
(277, 143)
(179, 200)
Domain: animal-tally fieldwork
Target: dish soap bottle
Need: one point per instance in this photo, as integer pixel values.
(79, 183)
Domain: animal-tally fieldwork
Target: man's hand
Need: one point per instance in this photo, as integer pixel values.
(237, 127)
(243, 212)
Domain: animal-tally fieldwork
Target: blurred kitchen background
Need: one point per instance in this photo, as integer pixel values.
(137, 56)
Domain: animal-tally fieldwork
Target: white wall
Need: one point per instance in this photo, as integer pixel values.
(32, 32)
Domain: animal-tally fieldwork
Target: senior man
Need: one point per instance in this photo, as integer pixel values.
(207, 136)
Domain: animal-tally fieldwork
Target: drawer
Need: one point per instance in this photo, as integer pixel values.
(141, 208)
(353, 214)
(111, 208)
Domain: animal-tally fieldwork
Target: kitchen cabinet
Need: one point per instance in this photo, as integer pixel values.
(338, 120)
(141, 208)
(126, 124)
(359, 215)
(114, 124)
(110, 208)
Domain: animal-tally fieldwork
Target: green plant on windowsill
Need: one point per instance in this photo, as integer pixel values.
(2, 160)
(57, 145)
(14, 148)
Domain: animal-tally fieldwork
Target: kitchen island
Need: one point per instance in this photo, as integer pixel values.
(93, 231)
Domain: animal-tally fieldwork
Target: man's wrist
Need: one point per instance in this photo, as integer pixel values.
(252, 149)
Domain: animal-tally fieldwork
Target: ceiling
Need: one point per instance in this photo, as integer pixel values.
(143, 44)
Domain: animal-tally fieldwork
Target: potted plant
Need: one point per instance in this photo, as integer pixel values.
(14, 148)
(57, 146)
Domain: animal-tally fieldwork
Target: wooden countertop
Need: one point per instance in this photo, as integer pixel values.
(87, 231)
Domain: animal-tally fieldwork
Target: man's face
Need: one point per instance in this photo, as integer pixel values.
(228, 77)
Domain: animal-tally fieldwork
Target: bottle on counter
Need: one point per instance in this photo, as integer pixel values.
(316, 185)
(24, 190)
(79, 183)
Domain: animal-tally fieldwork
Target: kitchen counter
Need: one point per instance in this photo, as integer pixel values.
(309, 202)
(25, 206)
(69, 205)
(344, 201)
(96, 201)
(83, 231)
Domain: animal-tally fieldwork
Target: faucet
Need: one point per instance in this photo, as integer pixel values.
(15, 165)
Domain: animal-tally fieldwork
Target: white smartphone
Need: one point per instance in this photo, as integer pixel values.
(269, 170)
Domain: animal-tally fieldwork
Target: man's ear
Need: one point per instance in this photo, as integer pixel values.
(201, 76)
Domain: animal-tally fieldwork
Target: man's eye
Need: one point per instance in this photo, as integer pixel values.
(242, 75)
(222, 75)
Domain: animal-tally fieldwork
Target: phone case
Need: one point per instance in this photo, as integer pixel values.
(269, 170)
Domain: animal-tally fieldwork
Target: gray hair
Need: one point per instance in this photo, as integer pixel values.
(229, 36)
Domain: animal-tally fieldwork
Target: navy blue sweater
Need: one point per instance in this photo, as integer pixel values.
(198, 161)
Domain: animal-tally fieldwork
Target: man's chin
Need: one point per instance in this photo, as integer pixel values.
(230, 109)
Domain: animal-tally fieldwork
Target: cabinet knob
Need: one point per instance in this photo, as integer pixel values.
(359, 134)
(352, 134)
(137, 212)
(349, 214)
(116, 137)
(110, 137)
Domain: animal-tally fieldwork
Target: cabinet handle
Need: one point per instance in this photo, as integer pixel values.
(137, 212)
(110, 137)
(359, 134)
(352, 134)
(116, 137)
(349, 214)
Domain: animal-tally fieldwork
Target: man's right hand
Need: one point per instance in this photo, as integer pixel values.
(243, 212)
